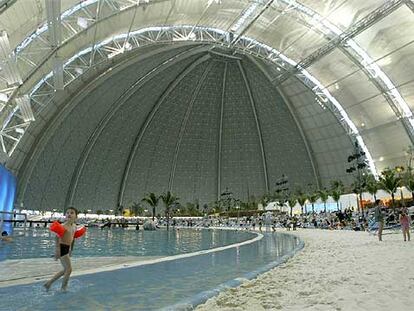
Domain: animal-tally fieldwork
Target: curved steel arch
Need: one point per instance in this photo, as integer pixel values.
(148, 120)
(115, 107)
(257, 122)
(27, 166)
(246, 46)
(392, 95)
(184, 124)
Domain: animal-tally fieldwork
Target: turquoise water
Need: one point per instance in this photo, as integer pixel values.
(172, 285)
(40, 242)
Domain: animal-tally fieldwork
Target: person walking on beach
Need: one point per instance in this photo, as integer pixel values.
(405, 225)
(65, 238)
(379, 218)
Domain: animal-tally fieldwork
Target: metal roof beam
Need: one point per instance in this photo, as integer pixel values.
(410, 4)
(250, 23)
(360, 26)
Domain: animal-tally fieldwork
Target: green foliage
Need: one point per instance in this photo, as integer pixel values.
(337, 189)
(323, 195)
(137, 209)
(152, 200)
(372, 185)
(408, 179)
(313, 197)
(389, 181)
(169, 200)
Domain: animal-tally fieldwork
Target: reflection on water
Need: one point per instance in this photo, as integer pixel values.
(39, 242)
(180, 282)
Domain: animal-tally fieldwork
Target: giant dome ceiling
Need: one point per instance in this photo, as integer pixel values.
(104, 101)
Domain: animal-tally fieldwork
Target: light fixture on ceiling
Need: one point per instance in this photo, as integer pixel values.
(78, 70)
(3, 97)
(19, 130)
(337, 86)
(362, 124)
(127, 46)
(381, 158)
(82, 22)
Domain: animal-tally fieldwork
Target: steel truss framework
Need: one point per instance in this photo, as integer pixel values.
(44, 91)
(32, 55)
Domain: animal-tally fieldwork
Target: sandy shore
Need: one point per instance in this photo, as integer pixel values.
(337, 270)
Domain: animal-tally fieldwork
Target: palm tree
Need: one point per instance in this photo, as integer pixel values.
(169, 200)
(312, 198)
(292, 202)
(324, 196)
(336, 196)
(372, 186)
(389, 182)
(409, 181)
(301, 198)
(152, 200)
(137, 208)
(337, 189)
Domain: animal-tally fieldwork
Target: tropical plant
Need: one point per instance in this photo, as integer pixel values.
(409, 182)
(372, 186)
(292, 199)
(389, 182)
(324, 196)
(137, 208)
(312, 198)
(337, 189)
(169, 200)
(152, 200)
(301, 198)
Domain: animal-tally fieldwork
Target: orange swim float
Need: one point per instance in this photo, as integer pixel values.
(79, 232)
(57, 228)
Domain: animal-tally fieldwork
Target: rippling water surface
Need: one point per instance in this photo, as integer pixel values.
(39, 242)
(170, 285)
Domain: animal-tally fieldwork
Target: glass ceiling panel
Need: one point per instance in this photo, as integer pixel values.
(219, 15)
(400, 66)
(388, 35)
(352, 11)
(371, 113)
(353, 89)
(332, 68)
(286, 33)
(387, 144)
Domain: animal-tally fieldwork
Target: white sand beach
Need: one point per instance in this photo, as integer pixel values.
(337, 270)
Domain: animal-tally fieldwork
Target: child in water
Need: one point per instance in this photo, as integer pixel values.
(66, 233)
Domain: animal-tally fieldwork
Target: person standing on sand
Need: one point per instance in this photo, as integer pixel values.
(379, 218)
(405, 225)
